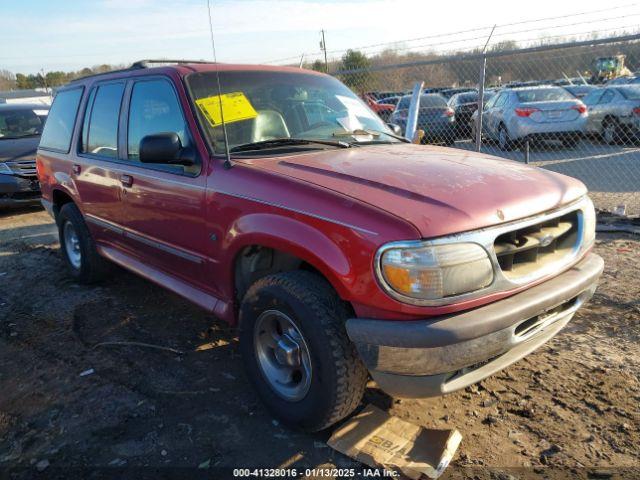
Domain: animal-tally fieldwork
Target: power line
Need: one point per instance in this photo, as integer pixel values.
(469, 39)
(537, 20)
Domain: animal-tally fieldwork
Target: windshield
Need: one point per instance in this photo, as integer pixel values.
(22, 122)
(430, 100)
(470, 97)
(258, 106)
(631, 92)
(544, 95)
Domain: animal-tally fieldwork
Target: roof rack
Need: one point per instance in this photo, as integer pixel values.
(149, 63)
(146, 63)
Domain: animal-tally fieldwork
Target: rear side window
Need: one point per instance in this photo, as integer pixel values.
(592, 97)
(154, 108)
(607, 96)
(59, 126)
(102, 128)
(501, 100)
(432, 101)
(404, 103)
(544, 95)
(630, 93)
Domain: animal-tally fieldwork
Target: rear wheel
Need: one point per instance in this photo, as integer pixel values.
(611, 131)
(504, 142)
(296, 351)
(78, 248)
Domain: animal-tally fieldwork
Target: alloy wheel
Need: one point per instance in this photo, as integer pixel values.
(283, 355)
(72, 245)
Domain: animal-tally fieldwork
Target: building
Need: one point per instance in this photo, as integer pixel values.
(33, 96)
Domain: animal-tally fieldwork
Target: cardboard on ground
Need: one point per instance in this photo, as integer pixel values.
(379, 440)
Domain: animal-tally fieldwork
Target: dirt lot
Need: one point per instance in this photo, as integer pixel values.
(572, 409)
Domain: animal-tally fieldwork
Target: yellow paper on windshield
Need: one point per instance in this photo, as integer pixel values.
(235, 107)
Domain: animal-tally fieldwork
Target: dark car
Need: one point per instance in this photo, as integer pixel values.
(450, 92)
(20, 130)
(434, 117)
(390, 100)
(463, 105)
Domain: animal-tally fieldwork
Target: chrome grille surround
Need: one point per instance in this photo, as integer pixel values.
(486, 238)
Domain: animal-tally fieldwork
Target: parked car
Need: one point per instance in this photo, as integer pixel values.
(533, 113)
(20, 129)
(337, 249)
(614, 113)
(450, 92)
(384, 94)
(390, 100)
(434, 89)
(620, 81)
(580, 91)
(563, 82)
(463, 105)
(435, 118)
(383, 110)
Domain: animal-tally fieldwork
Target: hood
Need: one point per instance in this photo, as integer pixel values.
(439, 190)
(13, 150)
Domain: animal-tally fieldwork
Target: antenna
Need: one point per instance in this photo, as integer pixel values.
(227, 162)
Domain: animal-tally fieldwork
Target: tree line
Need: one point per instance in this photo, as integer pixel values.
(22, 81)
(452, 70)
(446, 70)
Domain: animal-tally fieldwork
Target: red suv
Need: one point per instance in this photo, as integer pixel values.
(278, 201)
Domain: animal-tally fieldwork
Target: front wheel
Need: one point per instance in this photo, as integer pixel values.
(296, 350)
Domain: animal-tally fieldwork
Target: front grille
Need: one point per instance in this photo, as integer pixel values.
(526, 251)
(24, 168)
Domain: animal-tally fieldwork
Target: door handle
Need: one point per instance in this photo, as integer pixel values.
(126, 180)
(76, 169)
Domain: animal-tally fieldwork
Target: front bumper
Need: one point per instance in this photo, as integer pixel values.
(433, 357)
(16, 191)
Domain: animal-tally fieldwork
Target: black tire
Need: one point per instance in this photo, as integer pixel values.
(338, 375)
(611, 131)
(93, 267)
(504, 143)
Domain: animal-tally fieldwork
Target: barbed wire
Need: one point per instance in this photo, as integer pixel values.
(396, 46)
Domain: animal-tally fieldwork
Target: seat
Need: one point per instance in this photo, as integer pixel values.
(268, 125)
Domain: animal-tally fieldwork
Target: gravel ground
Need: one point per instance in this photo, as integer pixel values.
(69, 401)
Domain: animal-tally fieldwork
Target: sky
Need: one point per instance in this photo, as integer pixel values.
(45, 35)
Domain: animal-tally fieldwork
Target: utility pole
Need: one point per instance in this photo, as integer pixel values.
(323, 47)
(44, 80)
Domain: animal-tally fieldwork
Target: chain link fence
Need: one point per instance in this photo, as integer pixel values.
(572, 108)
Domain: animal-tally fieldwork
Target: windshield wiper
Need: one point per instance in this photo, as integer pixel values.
(283, 142)
(373, 133)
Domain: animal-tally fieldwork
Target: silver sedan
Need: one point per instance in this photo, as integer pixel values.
(614, 113)
(533, 113)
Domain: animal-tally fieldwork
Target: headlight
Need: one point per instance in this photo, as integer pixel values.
(432, 272)
(588, 223)
(4, 169)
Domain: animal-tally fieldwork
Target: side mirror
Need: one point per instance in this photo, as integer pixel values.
(395, 128)
(165, 148)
